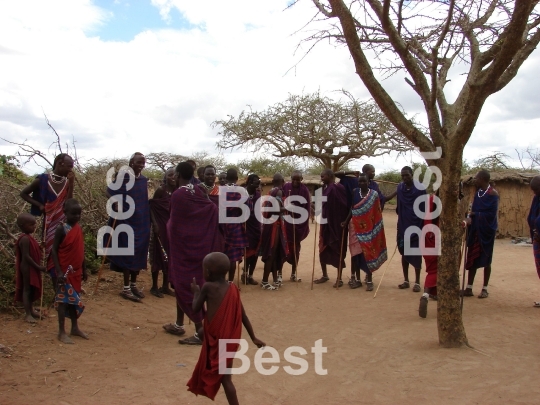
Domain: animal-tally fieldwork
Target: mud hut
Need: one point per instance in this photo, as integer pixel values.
(514, 204)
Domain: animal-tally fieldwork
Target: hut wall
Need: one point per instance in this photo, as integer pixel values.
(514, 204)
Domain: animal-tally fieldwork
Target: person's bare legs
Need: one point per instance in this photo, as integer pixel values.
(30, 314)
(75, 331)
(232, 271)
(405, 268)
(62, 336)
(230, 389)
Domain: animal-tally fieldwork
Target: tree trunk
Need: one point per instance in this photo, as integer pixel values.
(449, 320)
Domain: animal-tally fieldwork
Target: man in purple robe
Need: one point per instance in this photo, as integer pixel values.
(533, 219)
(332, 246)
(235, 233)
(193, 231)
(407, 193)
(369, 170)
(253, 229)
(481, 232)
(159, 242)
(297, 230)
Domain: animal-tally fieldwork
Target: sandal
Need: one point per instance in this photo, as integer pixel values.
(128, 295)
(321, 280)
(422, 309)
(174, 330)
(192, 341)
(536, 304)
(369, 285)
(404, 285)
(266, 286)
(467, 292)
(353, 283)
(156, 293)
(293, 278)
(166, 292)
(337, 285)
(136, 292)
(484, 293)
(416, 287)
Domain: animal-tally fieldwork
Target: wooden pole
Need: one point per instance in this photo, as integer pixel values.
(103, 260)
(44, 264)
(340, 268)
(386, 267)
(314, 250)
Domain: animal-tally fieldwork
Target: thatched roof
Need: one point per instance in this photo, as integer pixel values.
(511, 176)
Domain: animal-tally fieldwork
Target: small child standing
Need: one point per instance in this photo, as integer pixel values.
(224, 318)
(68, 250)
(28, 267)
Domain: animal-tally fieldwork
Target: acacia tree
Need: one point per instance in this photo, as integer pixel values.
(315, 128)
(491, 39)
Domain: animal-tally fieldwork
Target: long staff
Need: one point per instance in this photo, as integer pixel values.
(340, 267)
(103, 260)
(464, 255)
(44, 264)
(384, 271)
(314, 247)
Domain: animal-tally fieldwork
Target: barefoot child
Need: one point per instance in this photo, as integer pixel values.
(68, 250)
(28, 267)
(224, 318)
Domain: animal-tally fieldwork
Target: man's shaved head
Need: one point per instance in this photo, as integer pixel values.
(535, 185)
(328, 172)
(367, 167)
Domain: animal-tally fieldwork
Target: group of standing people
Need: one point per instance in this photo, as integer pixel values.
(180, 225)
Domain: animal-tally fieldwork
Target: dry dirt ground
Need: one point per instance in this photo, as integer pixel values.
(379, 350)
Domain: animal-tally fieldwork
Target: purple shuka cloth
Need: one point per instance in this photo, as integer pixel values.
(533, 219)
(335, 210)
(297, 232)
(483, 229)
(139, 222)
(349, 183)
(253, 225)
(272, 234)
(407, 218)
(375, 186)
(193, 232)
(160, 210)
(235, 234)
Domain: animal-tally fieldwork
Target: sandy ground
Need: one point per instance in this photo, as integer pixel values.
(379, 350)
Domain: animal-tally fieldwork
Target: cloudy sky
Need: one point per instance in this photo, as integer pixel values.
(123, 76)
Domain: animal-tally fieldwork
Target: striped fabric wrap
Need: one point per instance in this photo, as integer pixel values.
(367, 225)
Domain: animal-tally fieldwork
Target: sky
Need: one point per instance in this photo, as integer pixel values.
(124, 76)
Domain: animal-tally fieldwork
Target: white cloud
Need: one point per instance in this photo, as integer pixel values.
(161, 90)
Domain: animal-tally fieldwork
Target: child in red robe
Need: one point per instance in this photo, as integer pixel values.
(224, 318)
(27, 267)
(68, 253)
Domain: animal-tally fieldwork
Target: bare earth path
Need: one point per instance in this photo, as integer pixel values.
(379, 350)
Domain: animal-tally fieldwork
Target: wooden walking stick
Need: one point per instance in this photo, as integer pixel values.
(238, 275)
(314, 249)
(386, 267)
(45, 265)
(294, 247)
(340, 268)
(103, 260)
(464, 255)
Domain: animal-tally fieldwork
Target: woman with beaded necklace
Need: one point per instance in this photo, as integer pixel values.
(47, 194)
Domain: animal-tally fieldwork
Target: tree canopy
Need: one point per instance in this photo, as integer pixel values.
(316, 128)
(426, 41)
